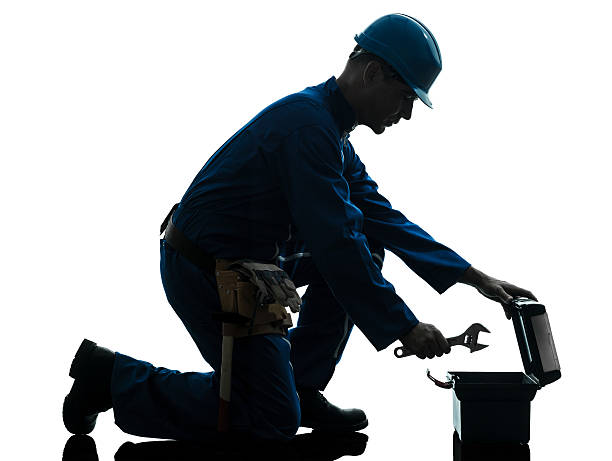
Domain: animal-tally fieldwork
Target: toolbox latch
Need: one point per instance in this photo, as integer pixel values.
(442, 384)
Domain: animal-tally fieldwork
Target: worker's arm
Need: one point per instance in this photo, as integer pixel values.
(435, 263)
(416, 248)
(310, 168)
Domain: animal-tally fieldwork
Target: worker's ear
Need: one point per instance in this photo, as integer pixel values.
(372, 74)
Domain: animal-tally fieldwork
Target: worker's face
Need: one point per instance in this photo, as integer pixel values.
(386, 100)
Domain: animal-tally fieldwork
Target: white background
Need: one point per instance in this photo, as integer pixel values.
(108, 109)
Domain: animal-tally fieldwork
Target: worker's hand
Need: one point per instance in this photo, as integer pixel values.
(425, 340)
(503, 292)
(492, 288)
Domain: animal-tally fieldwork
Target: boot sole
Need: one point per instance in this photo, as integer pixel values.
(74, 421)
(336, 429)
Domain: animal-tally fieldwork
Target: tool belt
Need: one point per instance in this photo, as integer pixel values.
(238, 298)
(242, 315)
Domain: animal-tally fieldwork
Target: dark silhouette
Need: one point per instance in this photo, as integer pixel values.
(286, 202)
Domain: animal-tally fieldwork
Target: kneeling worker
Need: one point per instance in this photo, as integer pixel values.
(286, 202)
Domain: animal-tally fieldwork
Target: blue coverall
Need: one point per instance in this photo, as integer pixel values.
(287, 188)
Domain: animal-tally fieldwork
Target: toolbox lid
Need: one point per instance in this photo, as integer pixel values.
(535, 341)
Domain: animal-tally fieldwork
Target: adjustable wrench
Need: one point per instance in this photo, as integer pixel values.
(468, 339)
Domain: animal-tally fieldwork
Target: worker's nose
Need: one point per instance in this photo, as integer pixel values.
(406, 112)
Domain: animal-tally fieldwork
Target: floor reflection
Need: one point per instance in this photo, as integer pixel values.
(314, 446)
(497, 452)
(80, 448)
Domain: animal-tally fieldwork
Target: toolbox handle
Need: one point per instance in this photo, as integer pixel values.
(443, 385)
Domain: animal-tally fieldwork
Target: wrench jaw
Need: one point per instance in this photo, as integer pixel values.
(472, 337)
(478, 347)
(471, 343)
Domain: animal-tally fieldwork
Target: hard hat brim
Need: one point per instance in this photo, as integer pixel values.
(422, 96)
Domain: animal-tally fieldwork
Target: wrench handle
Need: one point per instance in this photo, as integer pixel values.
(456, 340)
(402, 351)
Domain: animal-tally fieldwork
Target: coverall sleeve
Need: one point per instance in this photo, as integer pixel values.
(435, 263)
(317, 194)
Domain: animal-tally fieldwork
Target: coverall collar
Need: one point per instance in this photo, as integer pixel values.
(341, 110)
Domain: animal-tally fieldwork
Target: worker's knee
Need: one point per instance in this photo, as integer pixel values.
(265, 383)
(294, 418)
(282, 418)
(287, 420)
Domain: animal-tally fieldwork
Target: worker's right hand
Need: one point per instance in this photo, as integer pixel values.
(425, 341)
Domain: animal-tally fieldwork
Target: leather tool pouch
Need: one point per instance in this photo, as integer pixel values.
(239, 299)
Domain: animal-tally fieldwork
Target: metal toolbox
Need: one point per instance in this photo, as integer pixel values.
(494, 407)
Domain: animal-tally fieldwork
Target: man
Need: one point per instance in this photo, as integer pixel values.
(288, 190)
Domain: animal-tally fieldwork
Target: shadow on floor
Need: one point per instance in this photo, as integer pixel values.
(314, 446)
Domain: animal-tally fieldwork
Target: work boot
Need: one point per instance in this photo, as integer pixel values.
(319, 414)
(90, 394)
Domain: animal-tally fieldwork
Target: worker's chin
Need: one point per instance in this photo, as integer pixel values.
(378, 129)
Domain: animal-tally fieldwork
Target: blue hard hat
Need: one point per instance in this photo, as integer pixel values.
(408, 46)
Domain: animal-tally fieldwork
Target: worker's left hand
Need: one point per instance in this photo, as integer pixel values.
(499, 290)
(492, 288)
